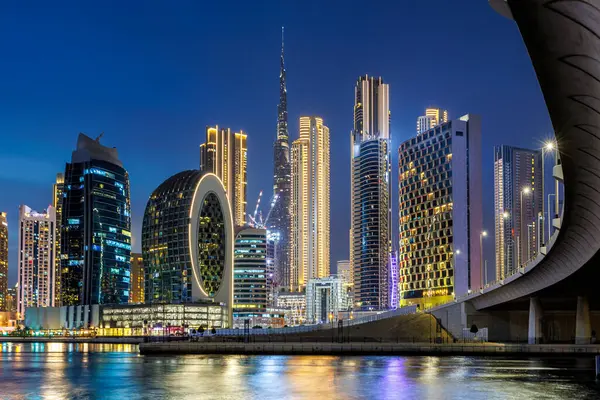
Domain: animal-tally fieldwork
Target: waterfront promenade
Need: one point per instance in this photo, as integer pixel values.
(76, 339)
(314, 348)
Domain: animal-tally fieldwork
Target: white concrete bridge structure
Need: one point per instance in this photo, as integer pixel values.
(550, 297)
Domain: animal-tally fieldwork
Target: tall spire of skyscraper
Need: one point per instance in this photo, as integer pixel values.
(282, 184)
(282, 131)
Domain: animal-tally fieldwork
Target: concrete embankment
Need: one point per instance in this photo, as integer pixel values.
(486, 349)
(41, 339)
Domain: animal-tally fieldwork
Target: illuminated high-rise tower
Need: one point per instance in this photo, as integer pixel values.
(432, 118)
(225, 154)
(3, 262)
(37, 235)
(310, 240)
(280, 220)
(440, 226)
(518, 200)
(371, 195)
(96, 227)
(57, 203)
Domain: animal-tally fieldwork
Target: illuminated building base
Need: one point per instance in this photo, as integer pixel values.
(425, 303)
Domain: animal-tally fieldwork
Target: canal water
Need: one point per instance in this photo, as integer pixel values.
(109, 371)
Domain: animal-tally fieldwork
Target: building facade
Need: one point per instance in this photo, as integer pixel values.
(130, 319)
(325, 298)
(310, 240)
(439, 175)
(187, 241)
(57, 203)
(96, 227)
(3, 262)
(294, 305)
(11, 299)
(250, 274)
(432, 118)
(37, 263)
(225, 154)
(136, 294)
(371, 208)
(518, 202)
(280, 221)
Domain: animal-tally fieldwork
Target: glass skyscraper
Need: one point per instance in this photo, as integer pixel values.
(57, 203)
(250, 280)
(371, 195)
(518, 200)
(165, 240)
(96, 227)
(3, 262)
(280, 220)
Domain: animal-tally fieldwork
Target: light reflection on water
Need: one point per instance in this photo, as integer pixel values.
(66, 370)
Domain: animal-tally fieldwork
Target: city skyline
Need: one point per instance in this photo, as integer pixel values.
(406, 106)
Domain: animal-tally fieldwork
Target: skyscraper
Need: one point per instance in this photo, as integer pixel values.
(280, 220)
(370, 193)
(96, 227)
(440, 213)
(57, 203)
(37, 236)
(11, 299)
(310, 241)
(432, 118)
(136, 295)
(187, 241)
(3, 262)
(517, 178)
(250, 286)
(225, 154)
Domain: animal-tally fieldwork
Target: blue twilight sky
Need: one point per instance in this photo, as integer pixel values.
(153, 74)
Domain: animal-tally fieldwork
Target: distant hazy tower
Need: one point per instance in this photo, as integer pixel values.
(3, 262)
(310, 203)
(57, 203)
(370, 193)
(37, 244)
(280, 220)
(517, 176)
(225, 154)
(432, 118)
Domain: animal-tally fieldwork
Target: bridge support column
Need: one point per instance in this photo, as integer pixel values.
(534, 335)
(582, 321)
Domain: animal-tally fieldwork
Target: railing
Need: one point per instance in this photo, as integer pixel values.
(312, 328)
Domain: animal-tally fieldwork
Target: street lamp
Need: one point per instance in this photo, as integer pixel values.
(549, 147)
(481, 236)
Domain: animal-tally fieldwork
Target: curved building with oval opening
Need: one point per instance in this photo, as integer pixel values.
(187, 241)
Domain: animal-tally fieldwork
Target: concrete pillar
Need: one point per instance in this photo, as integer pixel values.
(582, 321)
(534, 335)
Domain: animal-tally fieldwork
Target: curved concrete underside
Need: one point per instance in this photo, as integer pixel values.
(563, 41)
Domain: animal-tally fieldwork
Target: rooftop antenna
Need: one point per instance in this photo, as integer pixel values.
(99, 137)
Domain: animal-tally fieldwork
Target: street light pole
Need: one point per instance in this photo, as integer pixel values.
(481, 235)
(549, 146)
